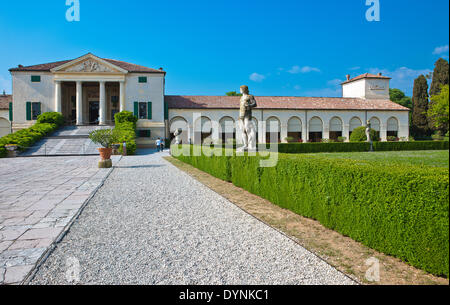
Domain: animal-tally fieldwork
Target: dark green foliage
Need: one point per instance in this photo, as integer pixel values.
(25, 138)
(302, 148)
(440, 76)
(359, 135)
(233, 93)
(399, 97)
(126, 127)
(420, 106)
(401, 210)
(52, 118)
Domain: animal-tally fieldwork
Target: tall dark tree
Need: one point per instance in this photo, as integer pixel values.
(420, 106)
(440, 76)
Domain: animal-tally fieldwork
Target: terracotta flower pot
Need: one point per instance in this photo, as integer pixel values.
(105, 153)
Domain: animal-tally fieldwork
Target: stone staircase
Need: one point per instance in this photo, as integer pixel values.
(67, 141)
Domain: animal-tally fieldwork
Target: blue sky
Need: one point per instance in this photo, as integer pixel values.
(282, 47)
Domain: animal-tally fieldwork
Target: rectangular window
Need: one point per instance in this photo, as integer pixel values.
(35, 79)
(142, 79)
(144, 133)
(36, 110)
(142, 111)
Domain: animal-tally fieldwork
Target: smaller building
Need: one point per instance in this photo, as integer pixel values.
(5, 114)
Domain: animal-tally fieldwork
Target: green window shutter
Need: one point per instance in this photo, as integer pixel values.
(28, 111)
(10, 112)
(149, 110)
(142, 79)
(136, 109)
(35, 79)
(148, 133)
(166, 111)
(40, 109)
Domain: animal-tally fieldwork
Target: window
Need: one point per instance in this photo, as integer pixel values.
(35, 110)
(142, 111)
(35, 79)
(142, 79)
(144, 133)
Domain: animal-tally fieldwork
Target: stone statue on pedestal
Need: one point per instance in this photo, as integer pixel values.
(368, 132)
(248, 129)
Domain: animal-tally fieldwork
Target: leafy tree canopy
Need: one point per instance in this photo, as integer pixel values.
(438, 111)
(233, 93)
(399, 97)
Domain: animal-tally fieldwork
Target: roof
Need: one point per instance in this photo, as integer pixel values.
(131, 68)
(4, 101)
(282, 102)
(366, 75)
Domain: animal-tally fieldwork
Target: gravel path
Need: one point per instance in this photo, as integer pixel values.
(153, 224)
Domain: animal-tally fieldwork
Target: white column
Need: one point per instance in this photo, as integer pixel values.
(122, 96)
(283, 132)
(58, 105)
(346, 132)
(326, 133)
(383, 132)
(79, 103)
(102, 110)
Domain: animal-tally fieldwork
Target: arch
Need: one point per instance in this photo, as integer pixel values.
(273, 129)
(355, 122)
(375, 123)
(5, 127)
(179, 123)
(295, 129)
(227, 129)
(202, 129)
(392, 128)
(336, 128)
(315, 129)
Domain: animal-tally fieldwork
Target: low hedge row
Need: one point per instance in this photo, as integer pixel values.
(298, 148)
(126, 122)
(25, 138)
(401, 210)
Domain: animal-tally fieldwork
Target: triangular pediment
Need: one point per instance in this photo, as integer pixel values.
(88, 64)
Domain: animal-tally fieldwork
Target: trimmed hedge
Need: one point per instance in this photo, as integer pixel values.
(299, 148)
(52, 118)
(401, 210)
(126, 124)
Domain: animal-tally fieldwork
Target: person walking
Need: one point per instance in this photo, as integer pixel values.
(158, 144)
(163, 144)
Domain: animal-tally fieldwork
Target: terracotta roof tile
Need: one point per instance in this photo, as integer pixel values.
(281, 102)
(366, 75)
(131, 68)
(4, 101)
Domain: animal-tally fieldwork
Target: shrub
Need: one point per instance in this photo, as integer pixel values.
(126, 127)
(52, 118)
(25, 138)
(341, 139)
(401, 210)
(359, 135)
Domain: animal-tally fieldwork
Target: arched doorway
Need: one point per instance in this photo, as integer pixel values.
(392, 127)
(295, 129)
(354, 123)
(227, 130)
(179, 123)
(375, 125)
(315, 129)
(202, 130)
(273, 130)
(335, 128)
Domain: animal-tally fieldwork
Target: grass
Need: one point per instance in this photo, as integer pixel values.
(436, 158)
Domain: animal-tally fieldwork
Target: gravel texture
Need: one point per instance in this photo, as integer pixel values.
(153, 224)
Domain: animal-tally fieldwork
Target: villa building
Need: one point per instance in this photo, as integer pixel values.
(90, 90)
(5, 115)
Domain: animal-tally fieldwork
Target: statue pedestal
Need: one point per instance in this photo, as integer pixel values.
(105, 163)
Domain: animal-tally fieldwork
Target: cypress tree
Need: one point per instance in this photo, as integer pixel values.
(420, 106)
(440, 76)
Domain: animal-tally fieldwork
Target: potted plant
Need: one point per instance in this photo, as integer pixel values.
(11, 147)
(104, 137)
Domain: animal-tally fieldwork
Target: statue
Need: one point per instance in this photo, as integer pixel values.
(177, 135)
(369, 139)
(246, 125)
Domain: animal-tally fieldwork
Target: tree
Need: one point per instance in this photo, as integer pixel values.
(399, 97)
(420, 106)
(233, 93)
(438, 112)
(440, 76)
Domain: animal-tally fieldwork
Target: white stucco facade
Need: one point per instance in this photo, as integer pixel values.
(90, 90)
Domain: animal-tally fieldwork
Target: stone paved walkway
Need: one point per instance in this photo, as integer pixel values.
(39, 197)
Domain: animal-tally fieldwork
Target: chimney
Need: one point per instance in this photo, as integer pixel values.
(20, 66)
(4, 93)
(348, 76)
(380, 74)
(160, 69)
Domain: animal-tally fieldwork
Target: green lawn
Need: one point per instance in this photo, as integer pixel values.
(437, 158)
